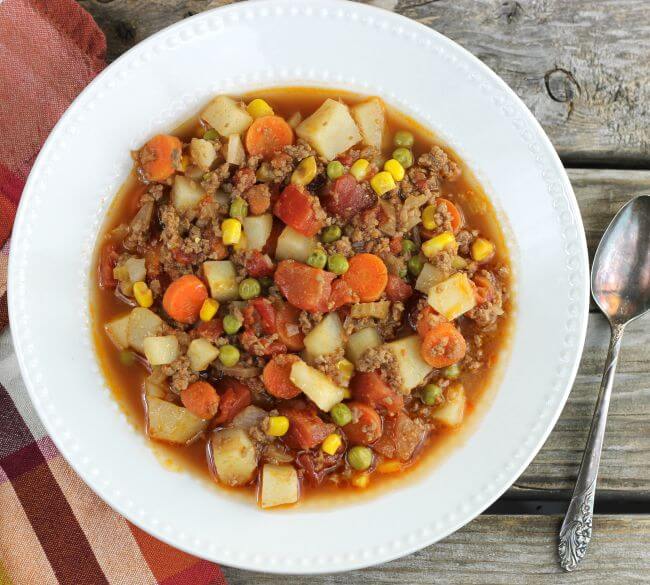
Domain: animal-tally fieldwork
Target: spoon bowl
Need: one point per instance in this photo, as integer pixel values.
(620, 277)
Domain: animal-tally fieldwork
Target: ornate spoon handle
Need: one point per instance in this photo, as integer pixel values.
(575, 533)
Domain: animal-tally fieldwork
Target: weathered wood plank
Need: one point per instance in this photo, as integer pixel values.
(508, 550)
(582, 68)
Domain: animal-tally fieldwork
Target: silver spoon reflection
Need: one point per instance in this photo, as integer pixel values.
(620, 285)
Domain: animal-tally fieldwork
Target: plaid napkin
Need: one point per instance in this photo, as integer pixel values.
(53, 528)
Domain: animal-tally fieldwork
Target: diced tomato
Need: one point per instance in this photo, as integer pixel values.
(318, 464)
(396, 244)
(259, 265)
(235, 396)
(400, 438)
(185, 258)
(341, 295)
(306, 429)
(107, 261)
(369, 388)
(397, 289)
(288, 326)
(152, 261)
(484, 291)
(210, 330)
(295, 207)
(260, 310)
(366, 426)
(346, 197)
(303, 286)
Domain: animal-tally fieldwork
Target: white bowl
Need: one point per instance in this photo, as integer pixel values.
(164, 80)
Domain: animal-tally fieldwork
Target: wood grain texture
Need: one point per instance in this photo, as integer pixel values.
(582, 70)
(504, 550)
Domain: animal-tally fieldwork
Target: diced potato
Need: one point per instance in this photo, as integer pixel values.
(326, 337)
(186, 194)
(222, 279)
(136, 269)
(226, 116)
(330, 129)
(377, 310)
(203, 153)
(430, 276)
(233, 456)
(316, 385)
(279, 485)
(118, 331)
(171, 423)
(257, 229)
(292, 245)
(154, 385)
(451, 412)
(235, 154)
(161, 350)
(201, 354)
(453, 297)
(361, 341)
(370, 118)
(143, 323)
(412, 368)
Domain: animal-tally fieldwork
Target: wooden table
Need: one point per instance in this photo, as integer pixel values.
(583, 67)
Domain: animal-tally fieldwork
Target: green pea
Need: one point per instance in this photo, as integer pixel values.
(402, 272)
(415, 265)
(408, 247)
(403, 156)
(266, 281)
(127, 358)
(452, 372)
(211, 134)
(228, 355)
(249, 288)
(341, 414)
(238, 208)
(360, 458)
(318, 258)
(338, 264)
(330, 234)
(403, 138)
(335, 169)
(431, 394)
(231, 324)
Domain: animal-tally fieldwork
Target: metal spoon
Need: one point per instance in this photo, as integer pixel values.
(620, 285)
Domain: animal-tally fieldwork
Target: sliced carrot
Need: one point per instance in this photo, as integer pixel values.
(160, 157)
(268, 135)
(277, 376)
(184, 297)
(201, 399)
(443, 346)
(367, 276)
(456, 217)
(288, 326)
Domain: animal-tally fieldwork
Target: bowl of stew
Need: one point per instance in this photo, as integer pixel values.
(314, 320)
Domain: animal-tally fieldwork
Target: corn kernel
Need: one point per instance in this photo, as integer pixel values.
(394, 168)
(428, 217)
(332, 444)
(231, 229)
(258, 108)
(361, 480)
(438, 243)
(143, 294)
(305, 171)
(185, 162)
(359, 169)
(389, 467)
(278, 426)
(382, 183)
(482, 250)
(241, 245)
(346, 393)
(346, 368)
(208, 309)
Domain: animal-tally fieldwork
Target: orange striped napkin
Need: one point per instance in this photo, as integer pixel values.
(53, 528)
